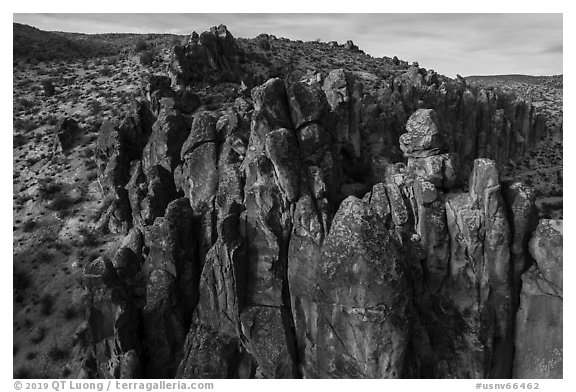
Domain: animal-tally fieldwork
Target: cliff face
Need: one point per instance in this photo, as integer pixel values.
(322, 227)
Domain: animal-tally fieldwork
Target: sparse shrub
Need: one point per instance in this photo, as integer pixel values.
(39, 335)
(47, 188)
(46, 304)
(106, 71)
(23, 103)
(21, 280)
(22, 199)
(70, 312)
(57, 353)
(65, 372)
(50, 120)
(95, 216)
(18, 140)
(95, 107)
(62, 247)
(88, 237)
(29, 226)
(24, 124)
(91, 176)
(263, 43)
(61, 202)
(141, 45)
(86, 152)
(22, 373)
(44, 256)
(147, 58)
(48, 235)
(74, 94)
(48, 87)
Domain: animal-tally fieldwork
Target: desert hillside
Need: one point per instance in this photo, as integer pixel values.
(210, 206)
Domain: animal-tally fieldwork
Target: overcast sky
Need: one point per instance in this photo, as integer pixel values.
(467, 44)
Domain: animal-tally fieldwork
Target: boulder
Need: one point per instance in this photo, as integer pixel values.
(436, 169)
(422, 137)
(67, 132)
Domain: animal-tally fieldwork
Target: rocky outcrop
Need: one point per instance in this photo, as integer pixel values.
(353, 320)
(325, 228)
(538, 339)
(474, 122)
(212, 56)
(168, 134)
(66, 134)
(113, 321)
(119, 143)
(198, 174)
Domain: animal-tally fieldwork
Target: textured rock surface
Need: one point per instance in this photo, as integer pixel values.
(539, 346)
(323, 227)
(121, 142)
(213, 56)
(66, 133)
(168, 134)
(354, 320)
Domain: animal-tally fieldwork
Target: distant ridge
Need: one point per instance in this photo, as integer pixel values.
(36, 44)
(514, 78)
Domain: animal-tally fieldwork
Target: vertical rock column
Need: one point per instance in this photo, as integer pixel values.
(272, 167)
(478, 283)
(214, 347)
(538, 340)
(355, 315)
(462, 275)
(348, 284)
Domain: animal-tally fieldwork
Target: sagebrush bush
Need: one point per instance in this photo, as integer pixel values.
(39, 335)
(147, 58)
(46, 304)
(48, 87)
(106, 71)
(141, 45)
(57, 353)
(47, 188)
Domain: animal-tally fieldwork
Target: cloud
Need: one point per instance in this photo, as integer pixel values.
(449, 43)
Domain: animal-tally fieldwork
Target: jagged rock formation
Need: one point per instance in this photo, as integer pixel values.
(212, 56)
(297, 233)
(66, 133)
(539, 320)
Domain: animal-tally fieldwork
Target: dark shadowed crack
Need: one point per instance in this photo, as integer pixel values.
(286, 308)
